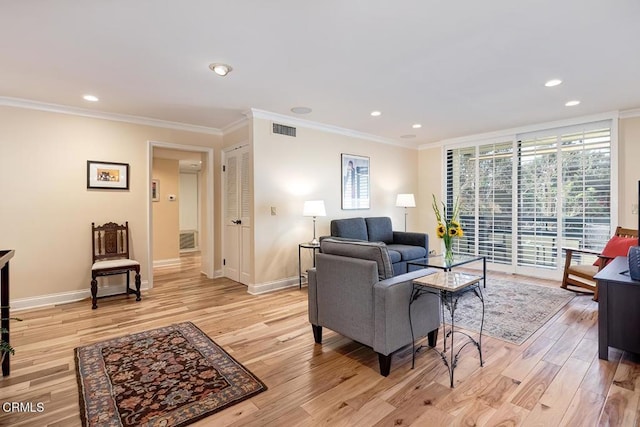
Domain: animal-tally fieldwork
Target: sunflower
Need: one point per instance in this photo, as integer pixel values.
(448, 223)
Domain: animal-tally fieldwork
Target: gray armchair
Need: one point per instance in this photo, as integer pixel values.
(352, 291)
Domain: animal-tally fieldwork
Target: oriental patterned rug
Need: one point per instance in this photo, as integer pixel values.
(513, 310)
(170, 376)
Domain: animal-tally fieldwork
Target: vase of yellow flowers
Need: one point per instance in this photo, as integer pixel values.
(448, 227)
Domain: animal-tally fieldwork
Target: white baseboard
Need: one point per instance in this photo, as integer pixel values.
(166, 262)
(261, 288)
(217, 274)
(188, 251)
(67, 297)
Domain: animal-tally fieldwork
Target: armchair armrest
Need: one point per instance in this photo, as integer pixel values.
(603, 259)
(411, 239)
(391, 312)
(582, 251)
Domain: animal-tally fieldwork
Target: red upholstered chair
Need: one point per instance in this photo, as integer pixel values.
(110, 244)
(581, 275)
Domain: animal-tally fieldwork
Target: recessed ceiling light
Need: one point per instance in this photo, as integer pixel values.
(553, 82)
(220, 69)
(572, 103)
(416, 126)
(301, 110)
(376, 113)
(90, 98)
(407, 136)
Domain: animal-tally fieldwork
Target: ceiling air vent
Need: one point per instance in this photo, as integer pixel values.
(284, 130)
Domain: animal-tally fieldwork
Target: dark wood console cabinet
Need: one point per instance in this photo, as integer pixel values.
(618, 309)
(5, 256)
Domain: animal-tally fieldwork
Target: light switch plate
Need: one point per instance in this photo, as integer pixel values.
(273, 211)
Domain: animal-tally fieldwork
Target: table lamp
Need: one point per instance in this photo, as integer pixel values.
(314, 208)
(405, 201)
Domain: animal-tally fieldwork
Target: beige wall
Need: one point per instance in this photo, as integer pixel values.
(629, 170)
(46, 212)
(288, 171)
(166, 213)
(430, 175)
(237, 136)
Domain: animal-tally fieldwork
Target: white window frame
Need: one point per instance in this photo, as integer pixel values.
(514, 135)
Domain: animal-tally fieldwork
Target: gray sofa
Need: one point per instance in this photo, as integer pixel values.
(403, 246)
(352, 291)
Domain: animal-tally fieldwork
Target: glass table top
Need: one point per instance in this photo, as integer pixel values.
(438, 261)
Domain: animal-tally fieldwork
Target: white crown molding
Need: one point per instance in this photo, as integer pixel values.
(294, 121)
(234, 126)
(627, 114)
(64, 109)
(509, 133)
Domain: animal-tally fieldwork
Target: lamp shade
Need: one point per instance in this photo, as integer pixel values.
(314, 208)
(406, 201)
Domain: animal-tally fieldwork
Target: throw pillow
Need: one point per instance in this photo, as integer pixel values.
(617, 246)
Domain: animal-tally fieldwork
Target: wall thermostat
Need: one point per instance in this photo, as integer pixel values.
(172, 197)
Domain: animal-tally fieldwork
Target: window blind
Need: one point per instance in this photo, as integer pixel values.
(524, 199)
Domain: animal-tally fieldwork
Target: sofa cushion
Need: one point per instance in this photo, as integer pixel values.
(407, 252)
(373, 251)
(350, 228)
(379, 229)
(395, 256)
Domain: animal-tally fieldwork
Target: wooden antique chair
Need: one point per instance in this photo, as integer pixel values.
(581, 275)
(110, 244)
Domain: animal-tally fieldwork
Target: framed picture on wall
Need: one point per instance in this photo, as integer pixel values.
(155, 190)
(355, 182)
(107, 175)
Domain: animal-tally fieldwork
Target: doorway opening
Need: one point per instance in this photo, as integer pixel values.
(180, 208)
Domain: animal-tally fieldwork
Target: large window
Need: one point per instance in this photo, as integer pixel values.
(524, 199)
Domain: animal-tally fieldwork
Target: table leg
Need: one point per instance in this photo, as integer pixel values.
(413, 339)
(300, 268)
(484, 276)
(479, 294)
(452, 364)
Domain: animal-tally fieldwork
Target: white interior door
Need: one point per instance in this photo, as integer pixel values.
(237, 219)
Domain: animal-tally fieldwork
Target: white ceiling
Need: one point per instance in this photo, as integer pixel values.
(457, 67)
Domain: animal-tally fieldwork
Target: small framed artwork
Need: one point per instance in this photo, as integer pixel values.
(355, 182)
(155, 190)
(107, 175)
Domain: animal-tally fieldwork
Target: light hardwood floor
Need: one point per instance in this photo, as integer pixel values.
(554, 378)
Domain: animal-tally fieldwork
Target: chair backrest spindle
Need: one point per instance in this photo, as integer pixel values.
(110, 241)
